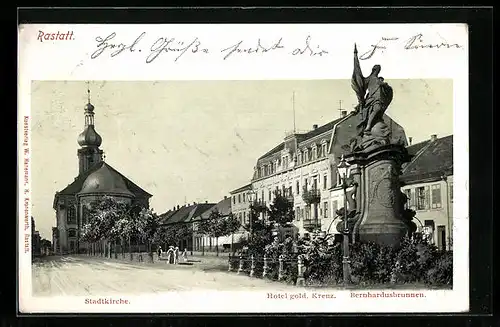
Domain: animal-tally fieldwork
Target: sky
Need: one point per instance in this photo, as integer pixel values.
(195, 141)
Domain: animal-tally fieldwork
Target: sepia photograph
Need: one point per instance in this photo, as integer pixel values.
(295, 192)
(230, 184)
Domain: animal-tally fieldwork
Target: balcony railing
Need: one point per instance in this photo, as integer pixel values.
(311, 224)
(311, 196)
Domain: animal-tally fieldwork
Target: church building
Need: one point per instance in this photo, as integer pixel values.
(95, 179)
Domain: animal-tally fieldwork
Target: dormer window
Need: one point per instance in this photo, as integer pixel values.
(324, 148)
(314, 152)
(299, 157)
(285, 162)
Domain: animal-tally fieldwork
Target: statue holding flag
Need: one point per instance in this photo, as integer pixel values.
(374, 96)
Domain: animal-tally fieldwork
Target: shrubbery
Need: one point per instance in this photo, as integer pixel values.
(371, 263)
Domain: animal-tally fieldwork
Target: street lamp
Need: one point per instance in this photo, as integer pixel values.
(252, 197)
(343, 170)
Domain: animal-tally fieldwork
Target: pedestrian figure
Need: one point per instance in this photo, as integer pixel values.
(159, 252)
(176, 255)
(170, 254)
(184, 255)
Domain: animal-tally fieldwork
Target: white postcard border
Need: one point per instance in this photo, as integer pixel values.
(55, 60)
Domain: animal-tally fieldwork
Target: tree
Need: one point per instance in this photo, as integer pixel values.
(281, 210)
(109, 219)
(147, 226)
(172, 234)
(218, 225)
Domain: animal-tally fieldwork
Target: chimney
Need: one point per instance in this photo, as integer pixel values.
(343, 113)
(178, 207)
(315, 126)
(434, 137)
(410, 139)
(225, 197)
(206, 201)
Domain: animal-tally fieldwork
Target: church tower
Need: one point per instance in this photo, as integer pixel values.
(89, 153)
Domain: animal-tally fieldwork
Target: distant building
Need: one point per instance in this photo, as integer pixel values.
(240, 206)
(95, 179)
(207, 243)
(184, 215)
(35, 239)
(428, 185)
(55, 240)
(304, 166)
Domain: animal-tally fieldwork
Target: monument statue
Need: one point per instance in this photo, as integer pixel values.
(374, 96)
(377, 214)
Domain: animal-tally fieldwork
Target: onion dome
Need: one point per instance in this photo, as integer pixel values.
(89, 107)
(89, 137)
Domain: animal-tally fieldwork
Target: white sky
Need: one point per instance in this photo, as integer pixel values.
(198, 140)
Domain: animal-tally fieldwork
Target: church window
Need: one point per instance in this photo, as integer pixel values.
(71, 215)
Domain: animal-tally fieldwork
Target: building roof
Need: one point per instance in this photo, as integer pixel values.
(184, 214)
(304, 137)
(223, 207)
(339, 133)
(105, 180)
(76, 186)
(241, 189)
(431, 160)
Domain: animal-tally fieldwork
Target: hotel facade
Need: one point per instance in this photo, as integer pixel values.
(303, 168)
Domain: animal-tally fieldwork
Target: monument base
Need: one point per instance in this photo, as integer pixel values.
(381, 203)
(383, 234)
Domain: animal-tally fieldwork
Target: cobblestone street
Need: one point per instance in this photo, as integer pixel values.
(82, 275)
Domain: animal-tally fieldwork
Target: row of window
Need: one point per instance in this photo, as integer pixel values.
(309, 212)
(290, 191)
(312, 153)
(303, 156)
(305, 213)
(241, 198)
(426, 197)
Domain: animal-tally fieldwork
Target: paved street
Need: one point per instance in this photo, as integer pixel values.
(82, 275)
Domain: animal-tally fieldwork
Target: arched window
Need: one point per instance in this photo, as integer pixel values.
(71, 215)
(314, 152)
(85, 215)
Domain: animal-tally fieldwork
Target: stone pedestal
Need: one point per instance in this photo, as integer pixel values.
(379, 195)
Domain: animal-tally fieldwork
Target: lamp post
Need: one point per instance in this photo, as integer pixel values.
(252, 197)
(343, 170)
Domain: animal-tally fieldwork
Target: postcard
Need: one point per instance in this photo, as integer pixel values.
(207, 168)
